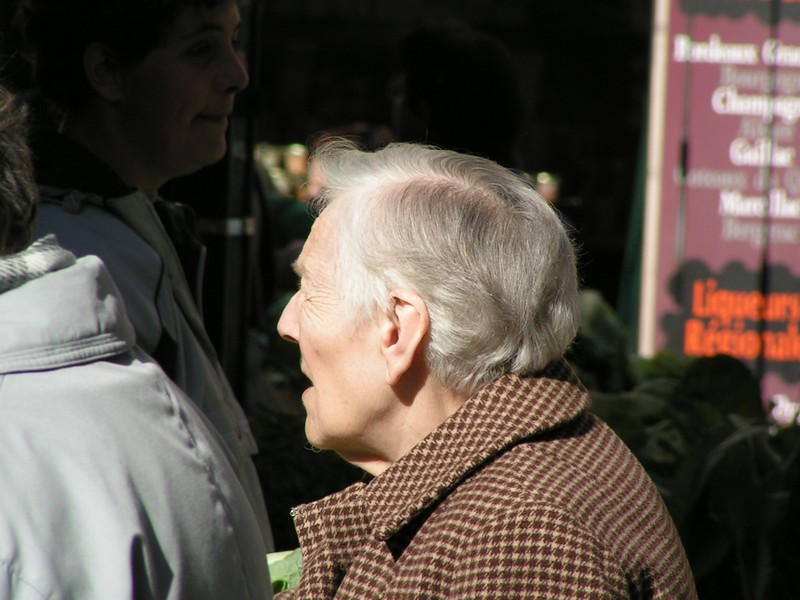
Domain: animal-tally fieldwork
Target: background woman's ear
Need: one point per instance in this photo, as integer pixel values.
(103, 71)
(404, 333)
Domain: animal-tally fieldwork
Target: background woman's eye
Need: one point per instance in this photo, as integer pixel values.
(200, 49)
(209, 49)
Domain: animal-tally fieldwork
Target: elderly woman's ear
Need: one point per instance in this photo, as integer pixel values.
(403, 332)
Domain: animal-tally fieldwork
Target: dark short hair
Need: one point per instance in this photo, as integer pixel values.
(18, 195)
(468, 81)
(57, 33)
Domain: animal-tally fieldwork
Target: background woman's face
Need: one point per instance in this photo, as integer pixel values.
(177, 101)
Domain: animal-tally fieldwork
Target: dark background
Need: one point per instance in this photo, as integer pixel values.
(321, 65)
(583, 66)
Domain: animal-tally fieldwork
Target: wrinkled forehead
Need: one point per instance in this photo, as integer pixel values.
(315, 262)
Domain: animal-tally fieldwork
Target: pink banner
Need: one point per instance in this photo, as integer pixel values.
(727, 262)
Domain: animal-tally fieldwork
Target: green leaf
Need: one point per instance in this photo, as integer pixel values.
(285, 569)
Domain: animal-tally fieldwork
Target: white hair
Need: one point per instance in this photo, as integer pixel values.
(489, 256)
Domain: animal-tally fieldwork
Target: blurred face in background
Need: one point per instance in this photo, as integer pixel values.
(409, 123)
(176, 103)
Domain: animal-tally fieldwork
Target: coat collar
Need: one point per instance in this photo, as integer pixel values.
(509, 409)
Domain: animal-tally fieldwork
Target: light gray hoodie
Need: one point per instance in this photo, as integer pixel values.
(112, 484)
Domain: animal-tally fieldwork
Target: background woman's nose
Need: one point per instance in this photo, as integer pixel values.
(233, 76)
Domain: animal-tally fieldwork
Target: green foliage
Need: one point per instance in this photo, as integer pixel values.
(601, 341)
(728, 476)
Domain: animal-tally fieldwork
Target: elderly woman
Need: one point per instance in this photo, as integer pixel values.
(437, 296)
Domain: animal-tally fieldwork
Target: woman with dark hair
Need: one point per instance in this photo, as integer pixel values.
(144, 90)
(114, 485)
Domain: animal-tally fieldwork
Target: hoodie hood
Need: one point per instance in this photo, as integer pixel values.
(58, 311)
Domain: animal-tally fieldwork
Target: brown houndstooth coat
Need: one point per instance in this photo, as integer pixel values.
(522, 493)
